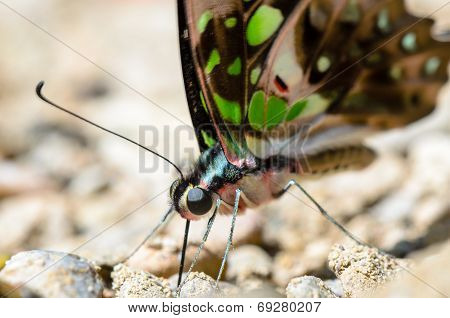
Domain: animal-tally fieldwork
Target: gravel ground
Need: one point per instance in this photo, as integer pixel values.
(68, 187)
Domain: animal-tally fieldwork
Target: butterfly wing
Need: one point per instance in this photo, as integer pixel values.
(341, 69)
(203, 126)
(216, 34)
(336, 68)
(227, 38)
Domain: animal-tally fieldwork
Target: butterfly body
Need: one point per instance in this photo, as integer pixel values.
(259, 181)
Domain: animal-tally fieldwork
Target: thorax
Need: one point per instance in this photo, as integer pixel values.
(258, 183)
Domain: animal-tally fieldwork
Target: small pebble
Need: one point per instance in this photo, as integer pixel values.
(336, 286)
(259, 288)
(228, 289)
(131, 283)
(362, 269)
(52, 274)
(200, 285)
(308, 287)
(247, 261)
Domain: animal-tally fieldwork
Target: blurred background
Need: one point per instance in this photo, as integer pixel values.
(68, 186)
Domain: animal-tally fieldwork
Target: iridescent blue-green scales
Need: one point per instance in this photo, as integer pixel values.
(282, 86)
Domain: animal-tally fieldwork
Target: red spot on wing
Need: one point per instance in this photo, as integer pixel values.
(280, 84)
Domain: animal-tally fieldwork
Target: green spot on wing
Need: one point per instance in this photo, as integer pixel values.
(383, 21)
(351, 13)
(235, 67)
(209, 141)
(202, 99)
(316, 105)
(409, 43)
(432, 65)
(276, 111)
(396, 72)
(204, 20)
(323, 63)
(296, 109)
(264, 114)
(230, 22)
(263, 24)
(254, 75)
(256, 111)
(213, 61)
(229, 110)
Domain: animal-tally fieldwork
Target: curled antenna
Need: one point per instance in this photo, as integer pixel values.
(39, 87)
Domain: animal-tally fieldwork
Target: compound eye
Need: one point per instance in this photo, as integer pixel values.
(199, 202)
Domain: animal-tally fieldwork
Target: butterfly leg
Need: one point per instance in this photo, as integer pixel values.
(230, 236)
(200, 247)
(292, 182)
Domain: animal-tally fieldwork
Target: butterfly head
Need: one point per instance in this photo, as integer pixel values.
(191, 201)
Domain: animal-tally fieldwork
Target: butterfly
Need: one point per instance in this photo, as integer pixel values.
(279, 90)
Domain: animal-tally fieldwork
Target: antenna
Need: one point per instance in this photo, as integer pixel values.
(39, 87)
